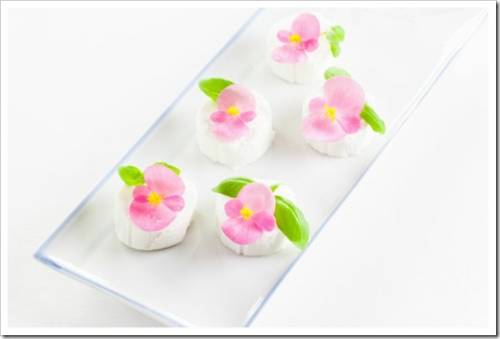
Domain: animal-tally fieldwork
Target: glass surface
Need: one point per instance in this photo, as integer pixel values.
(395, 54)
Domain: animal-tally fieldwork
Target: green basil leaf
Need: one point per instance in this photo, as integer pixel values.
(338, 32)
(335, 49)
(214, 86)
(332, 38)
(174, 169)
(291, 222)
(131, 175)
(372, 119)
(232, 186)
(335, 72)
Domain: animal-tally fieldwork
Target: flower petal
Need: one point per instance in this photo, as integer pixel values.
(289, 54)
(230, 130)
(284, 35)
(163, 181)
(174, 202)
(257, 197)
(307, 26)
(219, 116)
(236, 95)
(318, 127)
(350, 123)
(240, 231)
(316, 105)
(233, 207)
(141, 193)
(264, 220)
(247, 116)
(150, 218)
(345, 95)
(310, 45)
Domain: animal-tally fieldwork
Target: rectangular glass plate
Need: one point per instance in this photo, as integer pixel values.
(396, 54)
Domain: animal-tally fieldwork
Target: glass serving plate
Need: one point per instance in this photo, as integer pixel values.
(395, 54)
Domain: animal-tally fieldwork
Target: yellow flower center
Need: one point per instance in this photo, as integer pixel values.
(330, 112)
(233, 111)
(154, 198)
(246, 213)
(295, 38)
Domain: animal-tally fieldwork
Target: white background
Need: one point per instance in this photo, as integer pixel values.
(410, 248)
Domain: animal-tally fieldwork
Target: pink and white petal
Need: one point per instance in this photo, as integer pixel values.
(307, 26)
(150, 218)
(346, 95)
(289, 54)
(350, 123)
(264, 220)
(319, 128)
(240, 231)
(230, 130)
(233, 207)
(174, 202)
(300, 47)
(317, 105)
(284, 35)
(247, 116)
(163, 181)
(141, 193)
(219, 116)
(257, 197)
(310, 45)
(236, 95)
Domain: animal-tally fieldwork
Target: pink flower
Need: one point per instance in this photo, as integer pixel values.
(337, 113)
(236, 106)
(156, 203)
(250, 214)
(301, 39)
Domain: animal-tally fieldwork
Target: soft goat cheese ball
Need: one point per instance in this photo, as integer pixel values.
(134, 237)
(300, 72)
(349, 145)
(269, 243)
(244, 150)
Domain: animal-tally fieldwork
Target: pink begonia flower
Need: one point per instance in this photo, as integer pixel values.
(236, 107)
(250, 214)
(156, 203)
(301, 39)
(337, 113)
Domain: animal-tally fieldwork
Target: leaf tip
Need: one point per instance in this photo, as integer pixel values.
(173, 168)
(274, 187)
(302, 245)
(335, 71)
(382, 127)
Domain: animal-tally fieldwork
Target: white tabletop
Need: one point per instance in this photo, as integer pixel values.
(408, 249)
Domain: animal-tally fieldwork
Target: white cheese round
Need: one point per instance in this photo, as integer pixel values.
(269, 243)
(244, 150)
(136, 238)
(349, 145)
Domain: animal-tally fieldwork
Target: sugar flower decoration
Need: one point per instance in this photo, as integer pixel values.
(303, 37)
(250, 214)
(236, 107)
(156, 203)
(337, 113)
